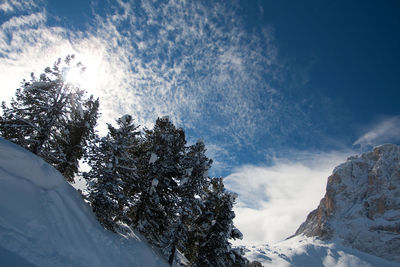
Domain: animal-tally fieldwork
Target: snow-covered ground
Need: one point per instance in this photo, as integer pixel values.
(45, 222)
(306, 251)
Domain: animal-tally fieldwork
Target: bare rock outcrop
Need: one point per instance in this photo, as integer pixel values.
(362, 204)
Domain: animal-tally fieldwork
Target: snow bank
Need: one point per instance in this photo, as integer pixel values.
(45, 222)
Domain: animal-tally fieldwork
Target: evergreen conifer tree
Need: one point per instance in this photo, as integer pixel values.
(103, 190)
(216, 228)
(76, 137)
(156, 215)
(113, 173)
(195, 179)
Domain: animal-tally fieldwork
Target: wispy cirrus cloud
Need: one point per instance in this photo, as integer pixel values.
(9, 6)
(386, 130)
(194, 62)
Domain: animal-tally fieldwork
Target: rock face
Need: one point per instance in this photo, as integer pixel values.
(362, 204)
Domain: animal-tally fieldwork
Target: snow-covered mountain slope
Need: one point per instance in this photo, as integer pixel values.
(45, 222)
(301, 251)
(362, 204)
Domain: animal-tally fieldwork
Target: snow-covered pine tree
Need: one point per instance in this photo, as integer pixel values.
(156, 215)
(191, 190)
(216, 228)
(76, 137)
(113, 176)
(40, 112)
(35, 111)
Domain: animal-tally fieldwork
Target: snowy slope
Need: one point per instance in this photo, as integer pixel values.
(307, 251)
(45, 222)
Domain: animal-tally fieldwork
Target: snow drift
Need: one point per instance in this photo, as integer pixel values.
(45, 222)
(301, 251)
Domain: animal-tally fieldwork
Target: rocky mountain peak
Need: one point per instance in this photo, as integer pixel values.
(362, 204)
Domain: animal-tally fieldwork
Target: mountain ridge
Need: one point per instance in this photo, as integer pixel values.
(362, 204)
(357, 222)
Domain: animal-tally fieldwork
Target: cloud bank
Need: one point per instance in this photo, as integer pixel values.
(274, 200)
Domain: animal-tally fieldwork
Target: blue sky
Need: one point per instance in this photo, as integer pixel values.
(274, 88)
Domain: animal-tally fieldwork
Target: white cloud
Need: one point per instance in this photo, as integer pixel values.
(222, 161)
(385, 131)
(274, 200)
(21, 21)
(9, 6)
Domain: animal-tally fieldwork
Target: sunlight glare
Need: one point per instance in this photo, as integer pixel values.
(73, 76)
(89, 80)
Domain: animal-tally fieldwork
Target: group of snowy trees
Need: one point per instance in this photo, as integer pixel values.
(158, 185)
(150, 180)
